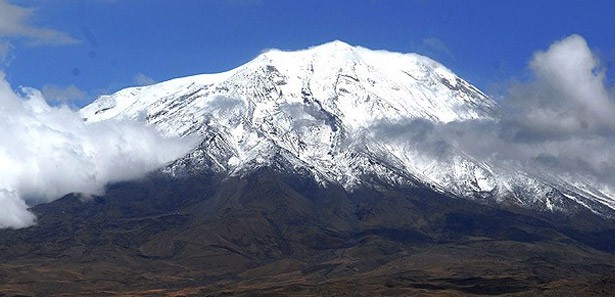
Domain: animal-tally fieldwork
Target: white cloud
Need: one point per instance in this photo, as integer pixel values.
(47, 152)
(568, 97)
(143, 80)
(5, 50)
(63, 94)
(14, 23)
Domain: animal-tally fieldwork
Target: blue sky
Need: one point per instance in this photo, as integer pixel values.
(75, 50)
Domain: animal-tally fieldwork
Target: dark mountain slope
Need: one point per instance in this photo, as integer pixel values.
(274, 233)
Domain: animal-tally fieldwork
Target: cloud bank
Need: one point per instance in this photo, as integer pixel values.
(562, 121)
(47, 152)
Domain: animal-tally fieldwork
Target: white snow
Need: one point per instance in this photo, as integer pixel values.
(317, 108)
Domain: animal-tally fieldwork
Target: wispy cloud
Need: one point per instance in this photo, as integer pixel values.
(5, 50)
(63, 94)
(14, 23)
(143, 80)
(435, 47)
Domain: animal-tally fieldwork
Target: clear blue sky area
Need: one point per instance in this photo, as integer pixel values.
(124, 42)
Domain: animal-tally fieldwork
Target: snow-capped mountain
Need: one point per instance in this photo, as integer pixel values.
(327, 112)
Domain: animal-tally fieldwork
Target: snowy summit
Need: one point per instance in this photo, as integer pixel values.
(341, 114)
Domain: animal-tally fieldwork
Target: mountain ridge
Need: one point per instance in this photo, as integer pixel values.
(342, 113)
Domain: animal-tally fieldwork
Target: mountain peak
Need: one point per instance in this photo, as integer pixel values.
(327, 46)
(334, 51)
(335, 44)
